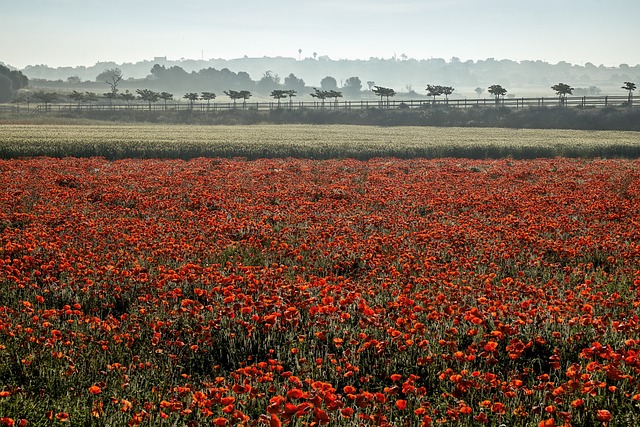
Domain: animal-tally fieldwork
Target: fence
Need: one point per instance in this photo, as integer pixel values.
(517, 103)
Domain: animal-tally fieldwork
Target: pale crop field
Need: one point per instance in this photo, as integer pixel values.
(115, 141)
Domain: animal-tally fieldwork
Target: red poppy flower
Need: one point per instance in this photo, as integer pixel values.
(604, 415)
(62, 417)
(274, 421)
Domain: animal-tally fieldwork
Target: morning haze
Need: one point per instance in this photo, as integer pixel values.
(406, 44)
(74, 32)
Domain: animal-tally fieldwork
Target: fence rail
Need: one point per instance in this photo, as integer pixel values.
(517, 103)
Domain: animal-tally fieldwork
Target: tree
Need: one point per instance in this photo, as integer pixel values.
(268, 82)
(244, 95)
(384, 92)
(630, 87)
(90, 97)
(112, 77)
(235, 95)
(110, 96)
(128, 96)
(352, 86)
(594, 90)
(497, 91)
(148, 95)
(6, 88)
(75, 96)
(18, 98)
(562, 90)
(207, 96)
(291, 93)
(157, 71)
(28, 94)
(320, 94)
(335, 95)
(165, 96)
(434, 90)
(10, 82)
(447, 90)
(437, 90)
(171, 76)
(279, 94)
(328, 83)
(479, 91)
(371, 84)
(242, 79)
(293, 82)
(46, 98)
(588, 91)
(192, 97)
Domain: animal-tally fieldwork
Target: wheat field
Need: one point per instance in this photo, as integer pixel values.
(117, 141)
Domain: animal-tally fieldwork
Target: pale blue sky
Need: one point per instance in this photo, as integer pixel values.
(83, 32)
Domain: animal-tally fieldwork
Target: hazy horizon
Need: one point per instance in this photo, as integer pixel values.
(62, 33)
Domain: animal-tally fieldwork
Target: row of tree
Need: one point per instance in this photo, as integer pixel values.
(563, 89)
(499, 92)
(113, 78)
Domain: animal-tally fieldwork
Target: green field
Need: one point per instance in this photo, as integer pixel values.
(117, 141)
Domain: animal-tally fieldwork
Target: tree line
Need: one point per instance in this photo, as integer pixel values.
(328, 90)
(10, 82)
(390, 72)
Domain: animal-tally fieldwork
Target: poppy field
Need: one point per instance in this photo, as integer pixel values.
(298, 292)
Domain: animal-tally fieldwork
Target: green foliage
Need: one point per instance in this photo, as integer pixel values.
(629, 86)
(112, 77)
(166, 96)
(335, 95)
(279, 94)
(324, 94)
(207, 96)
(562, 90)
(294, 83)
(268, 82)
(45, 97)
(328, 83)
(383, 92)
(320, 94)
(90, 97)
(434, 90)
(235, 95)
(352, 86)
(6, 88)
(148, 95)
(16, 81)
(127, 96)
(497, 91)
